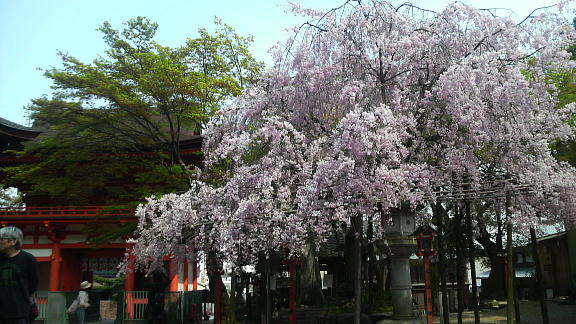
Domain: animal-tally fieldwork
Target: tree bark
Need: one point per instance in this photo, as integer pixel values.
(495, 285)
(309, 280)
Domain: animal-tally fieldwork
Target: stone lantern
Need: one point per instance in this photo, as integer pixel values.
(398, 234)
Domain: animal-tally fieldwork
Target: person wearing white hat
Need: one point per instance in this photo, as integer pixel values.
(18, 277)
(83, 301)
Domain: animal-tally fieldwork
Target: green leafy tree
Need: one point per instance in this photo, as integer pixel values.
(114, 127)
(139, 96)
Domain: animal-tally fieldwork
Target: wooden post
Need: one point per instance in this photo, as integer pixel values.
(217, 297)
(371, 261)
(460, 267)
(55, 267)
(510, 313)
(442, 262)
(541, 293)
(195, 273)
(428, 290)
(471, 260)
(268, 304)
(357, 223)
(510, 306)
(292, 301)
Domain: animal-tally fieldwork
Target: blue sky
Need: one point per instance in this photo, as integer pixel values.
(32, 31)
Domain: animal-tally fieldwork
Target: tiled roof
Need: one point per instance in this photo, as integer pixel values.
(14, 125)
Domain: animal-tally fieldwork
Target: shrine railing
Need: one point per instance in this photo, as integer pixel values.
(65, 212)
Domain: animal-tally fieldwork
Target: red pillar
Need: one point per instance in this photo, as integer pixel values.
(428, 291)
(129, 280)
(173, 269)
(195, 274)
(129, 283)
(185, 274)
(55, 267)
(292, 300)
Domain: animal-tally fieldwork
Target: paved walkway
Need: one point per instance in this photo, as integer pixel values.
(559, 313)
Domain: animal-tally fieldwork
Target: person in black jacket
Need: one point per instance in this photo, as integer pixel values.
(18, 277)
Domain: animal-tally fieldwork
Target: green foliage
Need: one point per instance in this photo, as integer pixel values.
(112, 285)
(114, 126)
(565, 83)
(139, 96)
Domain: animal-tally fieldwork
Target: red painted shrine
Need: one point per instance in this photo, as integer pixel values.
(56, 235)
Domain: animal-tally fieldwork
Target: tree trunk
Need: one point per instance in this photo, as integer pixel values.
(439, 214)
(309, 280)
(495, 286)
(221, 305)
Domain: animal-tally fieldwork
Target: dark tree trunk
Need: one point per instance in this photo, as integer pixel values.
(494, 287)
(221, 300)
(309, 281)
(216, 286)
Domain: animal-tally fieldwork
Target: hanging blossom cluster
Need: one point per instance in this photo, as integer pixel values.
(367, 107)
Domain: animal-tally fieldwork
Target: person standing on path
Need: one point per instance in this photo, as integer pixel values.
(18, 277)
(83, 301)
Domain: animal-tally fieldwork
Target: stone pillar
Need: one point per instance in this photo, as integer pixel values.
(400, 280)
